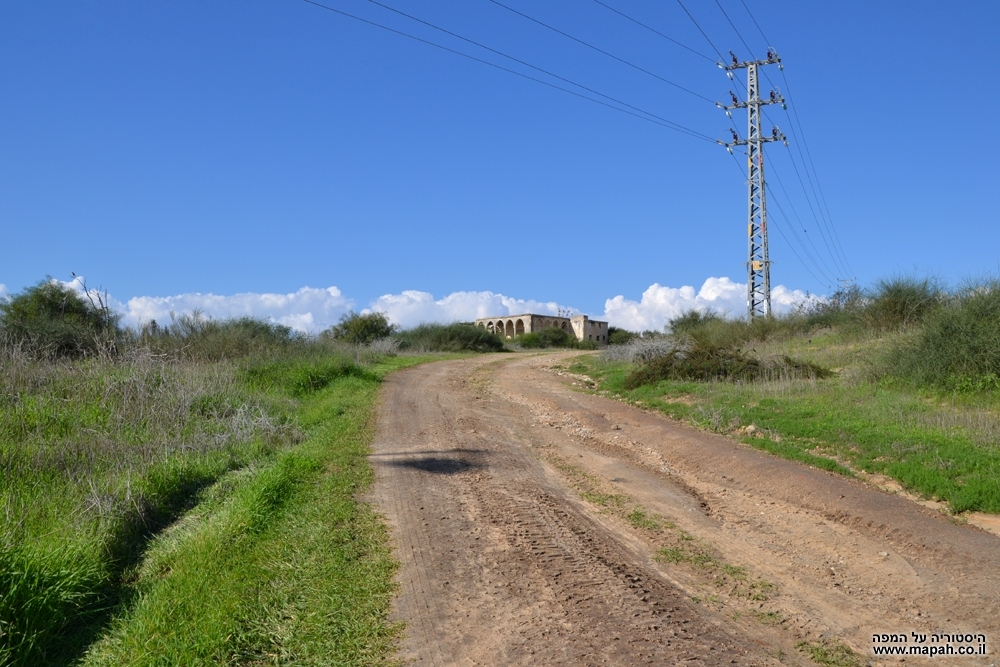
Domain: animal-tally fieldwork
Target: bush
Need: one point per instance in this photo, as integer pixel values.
(958, 348)
(713, 330)
(618, 336)
(693, 321)
(706, 363)
(52, 319)
(361, 329)
(899, 302)
(449, 338)
(641, 349)
(843, 307)
(531, 341)
(194, 336)
(553, 337)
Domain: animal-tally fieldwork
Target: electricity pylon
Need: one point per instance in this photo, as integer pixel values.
(758, 263)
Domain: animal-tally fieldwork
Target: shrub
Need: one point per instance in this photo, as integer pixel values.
(361, 329)
(958, 348)
(707, 363)
(194, 336)
(558, 338)
(898, 302)
(531, 341)
(456, 337)
(640, 349)
(618, 336)
(843, 307)
(693, 321)
(53, 319)
(553, 337)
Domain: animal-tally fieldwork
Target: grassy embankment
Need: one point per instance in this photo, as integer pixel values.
(909, 394)
(261, 459)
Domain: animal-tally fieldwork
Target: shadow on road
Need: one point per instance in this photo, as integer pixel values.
(434, 462)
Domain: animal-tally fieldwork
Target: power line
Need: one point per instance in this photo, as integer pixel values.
(719, 5)
(782, 233)
(738, 34)
(599, 50)
(805, 249)
(654, 30)
(649, 117)
(666, 37)
(818, 219)
(819, 224)
(802, 134)
(828, 218)
(801, 224)
(699, 29)
(825, 277)
(755, 22)
(824, 219)
(544, 71)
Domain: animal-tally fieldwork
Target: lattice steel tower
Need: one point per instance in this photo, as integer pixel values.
(758, 263)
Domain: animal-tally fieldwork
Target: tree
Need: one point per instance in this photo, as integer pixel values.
(362, 329)
(56, 319)
(618, 336)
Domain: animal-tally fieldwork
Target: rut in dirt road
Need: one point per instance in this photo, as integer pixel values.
(507, 495)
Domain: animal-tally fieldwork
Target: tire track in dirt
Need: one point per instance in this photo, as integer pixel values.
(501, 565)
(848, 560)
(481, 467)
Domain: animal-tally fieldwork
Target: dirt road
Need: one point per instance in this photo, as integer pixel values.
(540, 525)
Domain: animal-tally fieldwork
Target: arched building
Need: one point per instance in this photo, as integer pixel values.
(580, 326)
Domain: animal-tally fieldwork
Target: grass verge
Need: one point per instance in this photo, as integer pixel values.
(938, 444)
(279, 563)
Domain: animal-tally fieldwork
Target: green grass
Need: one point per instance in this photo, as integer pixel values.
(278, 565)
(260, 456)
(938, 444)
(639, 518)
(95, 458)
(831, 654)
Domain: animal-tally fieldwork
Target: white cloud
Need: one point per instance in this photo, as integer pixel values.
(310, 309)
(411, 307)
(313, 309)
(721, 295)
(3, 292)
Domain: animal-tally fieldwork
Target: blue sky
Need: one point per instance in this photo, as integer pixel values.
(168, 149)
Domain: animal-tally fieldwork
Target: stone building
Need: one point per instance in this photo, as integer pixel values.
(580, 326)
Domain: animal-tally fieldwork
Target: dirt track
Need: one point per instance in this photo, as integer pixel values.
(529, 516)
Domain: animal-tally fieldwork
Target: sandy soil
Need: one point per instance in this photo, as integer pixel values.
(540, 525)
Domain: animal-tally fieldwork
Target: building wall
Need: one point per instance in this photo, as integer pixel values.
(580, 326)
(588, 329)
